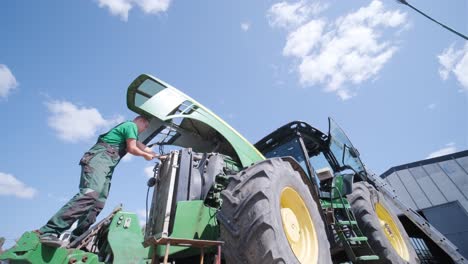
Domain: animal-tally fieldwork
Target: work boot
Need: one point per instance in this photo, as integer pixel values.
(50, 240)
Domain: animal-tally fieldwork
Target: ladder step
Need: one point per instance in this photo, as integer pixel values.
(347, 222)
(357, 239)
(367, 258)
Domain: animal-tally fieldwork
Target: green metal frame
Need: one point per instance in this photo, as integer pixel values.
(124, 240)
(193, 220)
(29, 249)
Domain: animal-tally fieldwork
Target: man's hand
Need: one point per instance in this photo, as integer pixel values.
(161, 157)
(139, 149)
(149, 156)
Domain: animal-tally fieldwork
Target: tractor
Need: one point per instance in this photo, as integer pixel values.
(296, 196)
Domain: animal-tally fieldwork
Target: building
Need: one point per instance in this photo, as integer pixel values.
(438, 189)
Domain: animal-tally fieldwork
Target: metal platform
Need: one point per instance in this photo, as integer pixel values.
(202, 244)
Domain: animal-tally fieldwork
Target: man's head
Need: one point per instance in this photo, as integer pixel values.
(141, 122)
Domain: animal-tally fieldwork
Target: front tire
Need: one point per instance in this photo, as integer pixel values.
(384, 231)
(269, 216)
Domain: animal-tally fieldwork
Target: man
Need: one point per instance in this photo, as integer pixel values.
(97, 167)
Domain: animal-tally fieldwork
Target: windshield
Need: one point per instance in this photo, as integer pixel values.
(291, 148)
(343, 149)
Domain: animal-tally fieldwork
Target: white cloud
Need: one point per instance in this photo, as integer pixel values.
(122, 7)
(304, 39)
(448, 149)
(432, 106)
(9, 185)
(349, 50)
(154, 6)
(149, 171)
(287, 15)
(245, 26)
(73, 123)
(7, 81)
(456, 62)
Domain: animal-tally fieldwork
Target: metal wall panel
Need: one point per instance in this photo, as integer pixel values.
(457, 174)
(444, 183)
(428, 186)
(415, 191)
(463, 161)
(432, 182)
(395, 182)
(451, 219)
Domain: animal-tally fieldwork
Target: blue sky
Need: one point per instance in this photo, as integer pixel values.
(397, 83)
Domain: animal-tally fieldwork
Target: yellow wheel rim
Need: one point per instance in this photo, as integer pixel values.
(391, 231)
(298, 226)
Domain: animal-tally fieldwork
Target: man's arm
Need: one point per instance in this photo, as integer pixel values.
(134, 148)
(143, 147)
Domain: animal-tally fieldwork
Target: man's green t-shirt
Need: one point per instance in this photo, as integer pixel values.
(118, 135)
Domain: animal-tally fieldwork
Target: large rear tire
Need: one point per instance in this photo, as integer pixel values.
(269, 216)
(379, 223)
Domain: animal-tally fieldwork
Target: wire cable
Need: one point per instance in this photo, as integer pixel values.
(430, 18)
(146, 214)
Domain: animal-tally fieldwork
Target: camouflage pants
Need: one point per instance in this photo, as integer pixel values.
(97, 166)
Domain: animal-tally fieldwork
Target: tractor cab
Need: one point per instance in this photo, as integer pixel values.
(332, 165)
(320, 155)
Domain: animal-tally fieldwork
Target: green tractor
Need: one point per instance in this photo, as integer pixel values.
(296, 196)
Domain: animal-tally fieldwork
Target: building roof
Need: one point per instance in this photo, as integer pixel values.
(431, 182)
(451, 156)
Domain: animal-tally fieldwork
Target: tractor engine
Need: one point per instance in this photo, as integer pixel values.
(187, 184)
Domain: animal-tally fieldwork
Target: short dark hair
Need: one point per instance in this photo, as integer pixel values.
(142, 117)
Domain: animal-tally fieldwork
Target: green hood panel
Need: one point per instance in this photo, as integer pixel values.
(177, 119)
